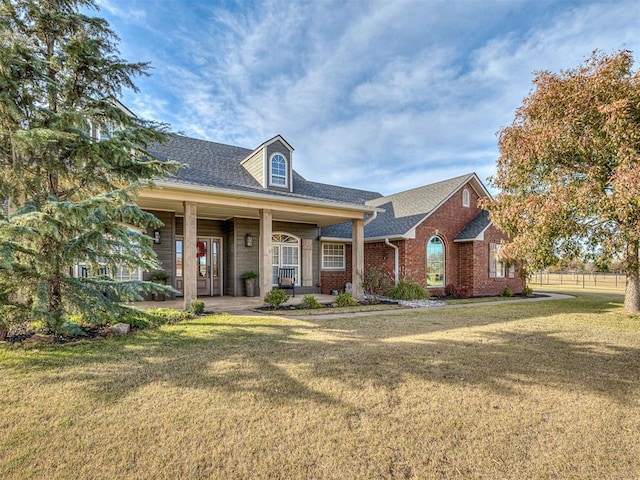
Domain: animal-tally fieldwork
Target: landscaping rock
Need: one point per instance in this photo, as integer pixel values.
(119, 329)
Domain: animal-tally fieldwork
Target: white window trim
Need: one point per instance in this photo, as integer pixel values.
(444, 261)
(342, 257)
(286, 171)
(298, 245)
(497, 269)
(466, 198)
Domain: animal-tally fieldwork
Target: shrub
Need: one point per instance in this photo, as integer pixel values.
(196, 307)
(71, 329)
(161, 316)
(527, 291)
(309, 301)
(450, 290)
(345, 299)
(276, 298)
(408, 290)
(506, 292)
(137, 322)
(376, 284)
(463, 292)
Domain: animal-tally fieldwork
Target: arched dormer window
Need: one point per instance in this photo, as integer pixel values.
(278, 170)
(435, 264)
(466, 201)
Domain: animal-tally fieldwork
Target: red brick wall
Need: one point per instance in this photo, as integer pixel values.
(446, 222)
(466, 263)
(483, 285)
(336, 279)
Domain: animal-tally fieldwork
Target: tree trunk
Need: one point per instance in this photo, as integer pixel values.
(632, 292)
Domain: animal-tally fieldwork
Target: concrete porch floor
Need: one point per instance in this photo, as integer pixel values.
(228, 304)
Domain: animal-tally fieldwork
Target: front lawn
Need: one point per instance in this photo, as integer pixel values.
(529, 390)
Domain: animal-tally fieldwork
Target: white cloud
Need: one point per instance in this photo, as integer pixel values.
(378, 95)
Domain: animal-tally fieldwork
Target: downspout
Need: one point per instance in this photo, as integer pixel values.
(396, 260)
(370, 219)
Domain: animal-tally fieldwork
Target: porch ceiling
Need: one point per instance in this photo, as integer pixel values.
(217, 208)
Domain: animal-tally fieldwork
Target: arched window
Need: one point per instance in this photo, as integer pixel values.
(278, 170)
(285, 253)
(435, 262)
(465, 198)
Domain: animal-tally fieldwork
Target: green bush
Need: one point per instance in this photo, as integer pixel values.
(309, 301)
(506, 292)
(71, 329)
(196, 307)
(276, 298)
(345, 299)
(161, 316)
(137, 322)
(527, 291)
(408, 290)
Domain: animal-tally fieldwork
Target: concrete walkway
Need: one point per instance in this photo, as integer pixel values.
(247, 305)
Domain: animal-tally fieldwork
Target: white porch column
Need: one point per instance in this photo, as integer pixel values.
(266, 254)
(357, 257)
(189, 264)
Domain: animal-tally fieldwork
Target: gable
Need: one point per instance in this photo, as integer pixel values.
(259, 164)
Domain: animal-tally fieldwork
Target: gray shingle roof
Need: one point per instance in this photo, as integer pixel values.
(474, 228)
(403, 210)
(218, 165)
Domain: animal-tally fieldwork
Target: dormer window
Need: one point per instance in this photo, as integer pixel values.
(279, 169)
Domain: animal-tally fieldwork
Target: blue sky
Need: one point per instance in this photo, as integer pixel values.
(382, 95)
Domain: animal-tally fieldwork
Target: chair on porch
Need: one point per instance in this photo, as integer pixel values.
(287, 279)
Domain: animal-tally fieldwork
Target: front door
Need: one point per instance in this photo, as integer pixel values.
(208, 254)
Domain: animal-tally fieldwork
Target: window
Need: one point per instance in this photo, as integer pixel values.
(178, 258)
(123, 274)
(333, 256)
(435, 262)
(466, 201)
(498, 268)
(278, 170)
(285, 253)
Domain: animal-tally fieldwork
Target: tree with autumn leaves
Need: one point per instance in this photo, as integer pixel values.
(569, 169)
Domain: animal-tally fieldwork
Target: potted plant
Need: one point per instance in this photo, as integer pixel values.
(250, 283)
(160, 277)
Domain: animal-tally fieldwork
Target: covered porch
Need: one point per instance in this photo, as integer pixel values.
(228, 304)
(192, 204)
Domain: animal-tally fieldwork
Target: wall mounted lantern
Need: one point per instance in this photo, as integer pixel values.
(248, 240)
(156, 236)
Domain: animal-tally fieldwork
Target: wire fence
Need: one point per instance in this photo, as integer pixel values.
(580, 280)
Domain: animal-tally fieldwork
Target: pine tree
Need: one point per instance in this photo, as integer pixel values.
(71, 194)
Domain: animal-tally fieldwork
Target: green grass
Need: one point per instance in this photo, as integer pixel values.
(528, 390)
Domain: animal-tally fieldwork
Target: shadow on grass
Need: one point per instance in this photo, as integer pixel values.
(281, 359)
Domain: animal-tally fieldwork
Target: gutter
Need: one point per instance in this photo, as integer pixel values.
(396, 259)
(273, 198)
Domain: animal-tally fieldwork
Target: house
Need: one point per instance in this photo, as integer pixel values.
(436, 235)
(233, 210)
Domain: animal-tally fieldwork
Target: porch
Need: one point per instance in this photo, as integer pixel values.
(230, 233)
(227, 303)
